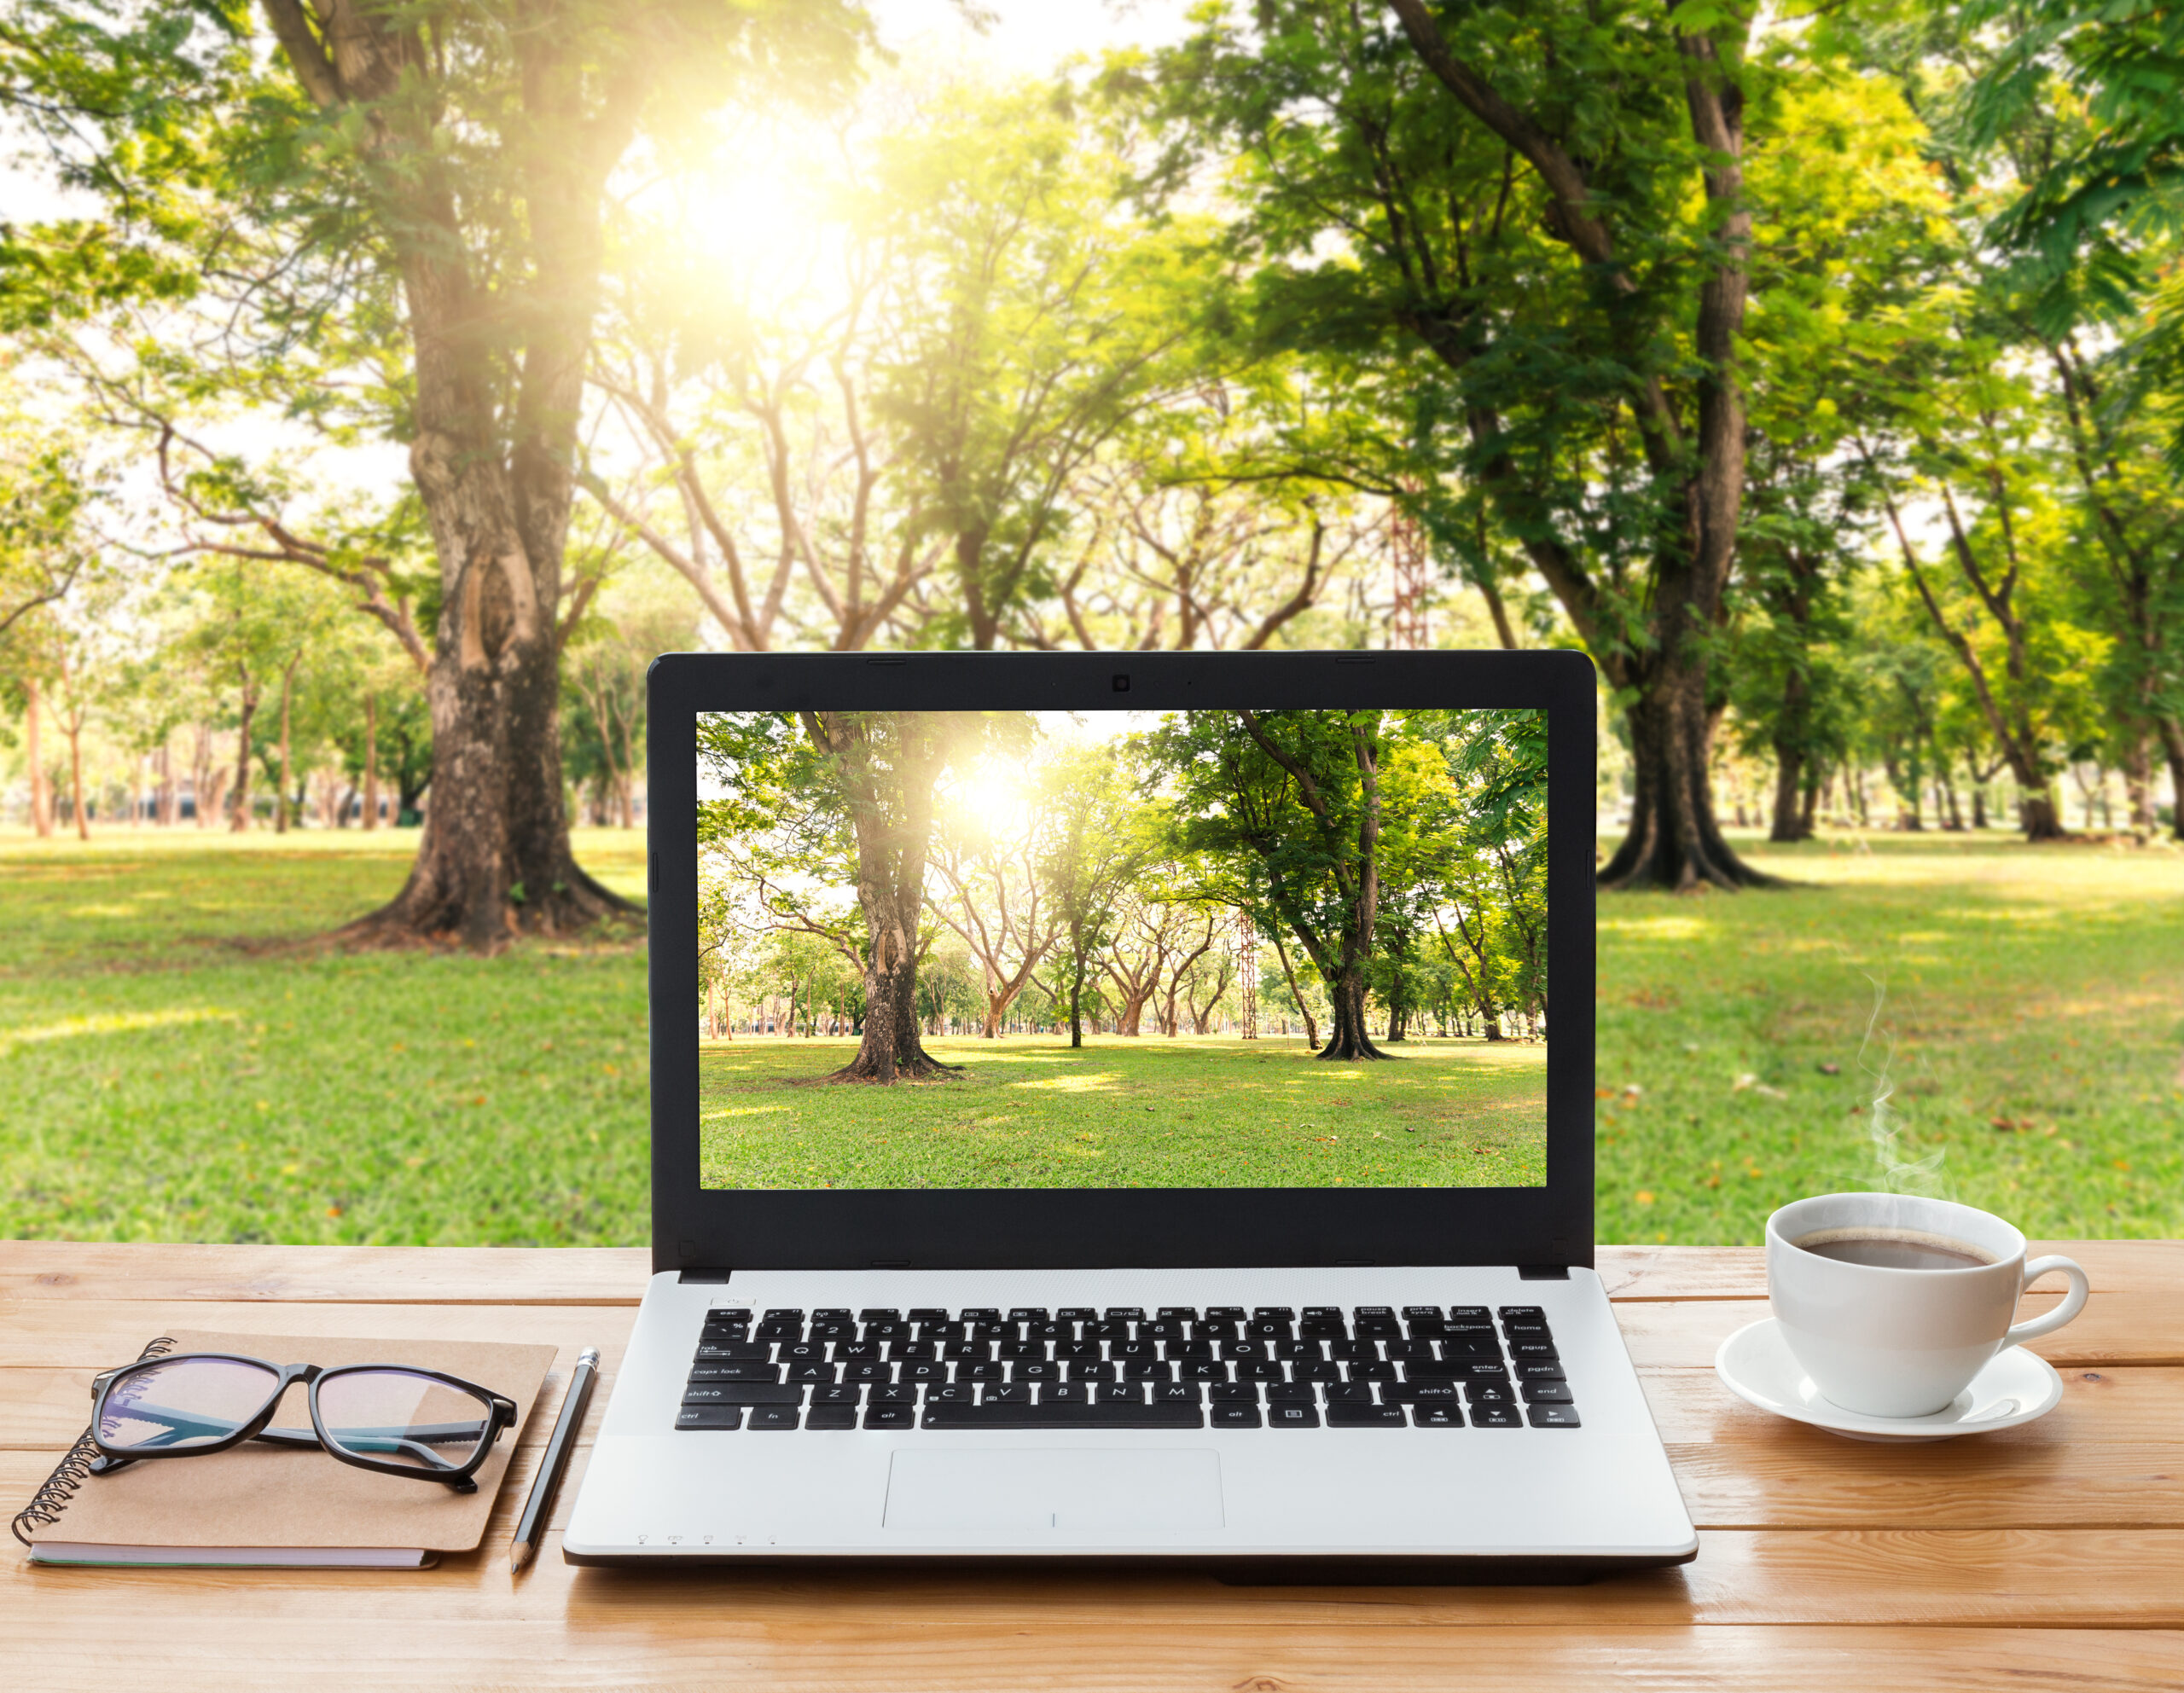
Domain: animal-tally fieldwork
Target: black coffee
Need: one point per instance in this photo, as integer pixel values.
(1894, 1249)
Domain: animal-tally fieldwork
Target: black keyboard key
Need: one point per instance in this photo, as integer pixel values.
(1349, 1392)
(1521, 1312)
(891, 1417)
(1260, 1369)
(963, 1390)
(1490, 1393)
(1202, 1370)
(1365, 1417)
(772, 1417)
(1147, 1370)
(812, 1372)
(891, 1393)
(874, 1314)
(1289, 1393)
(720, 1351)
(832, 1331)
(977, 1370)
(1178, 1314)
(1029, 1313)
(926, 1370)
(1533, 1370)
(1555, 1416)
(1178, 1393)
(779, 1331)
(710, 1416)
(1424, 1314)
(1076, 1314)
(1322, 1328)
(1495, 1416)
(1316, 1370)
(1022, 1349)
(1373, 1373)
(1468, 1313)
(1103, 1414)
(781, 1313)
(869, 1369)
(1547, 1393)
(1225, 1313)
(836, 1395)
(1438, 1414)
(1226, 1416)
(1065, 1392)
(1267, 1328)
(1005, 1393)
(761, 1393)
(1163, 1328)
(1125, 1313)
(894, 1333)
(1292, 1416)
(1234, 1392)
(923, 1314)
(831, 1417)
(980, 1313)
(1065, 1332)
(1378, 1328)
(732, 1313)
(830, 1314)
(1464, 1346)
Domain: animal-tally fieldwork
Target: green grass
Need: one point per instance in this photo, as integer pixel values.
(2035, 1004)
(1148, 1112)
(170, 1070)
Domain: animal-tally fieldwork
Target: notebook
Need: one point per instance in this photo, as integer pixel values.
(279, 1507)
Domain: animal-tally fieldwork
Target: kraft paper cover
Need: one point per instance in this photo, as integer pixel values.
(257, 1495)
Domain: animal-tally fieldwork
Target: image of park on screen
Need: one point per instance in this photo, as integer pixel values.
(1122, 949)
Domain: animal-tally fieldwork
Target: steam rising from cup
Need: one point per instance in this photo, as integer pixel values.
(1884, 1125)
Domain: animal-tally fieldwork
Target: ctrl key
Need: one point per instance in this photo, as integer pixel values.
(710, 1416)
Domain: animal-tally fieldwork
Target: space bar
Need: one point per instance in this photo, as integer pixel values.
(954, 1414)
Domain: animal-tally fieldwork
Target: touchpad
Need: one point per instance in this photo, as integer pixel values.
(1034, 1490)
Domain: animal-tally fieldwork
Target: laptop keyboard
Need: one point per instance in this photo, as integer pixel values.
(1372, 1366)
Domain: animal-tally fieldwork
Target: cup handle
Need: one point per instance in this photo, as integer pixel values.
(2073, 1301)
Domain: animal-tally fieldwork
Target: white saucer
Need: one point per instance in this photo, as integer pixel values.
(2014, 1386)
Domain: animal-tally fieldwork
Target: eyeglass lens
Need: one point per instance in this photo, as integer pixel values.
(399, 1416)
(190, 1402)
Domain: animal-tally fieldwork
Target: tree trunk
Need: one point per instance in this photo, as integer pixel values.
(1312, 1032)
(2172, 745)
(1349, 1037)
(371, 760)
(242, 758)
(1076, 986)
(1673, 840)
(287, 781)
(41, 793)
(2036, 812)
(1790, 822)
(75, 733)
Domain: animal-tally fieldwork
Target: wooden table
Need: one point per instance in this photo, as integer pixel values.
(2050, 1556)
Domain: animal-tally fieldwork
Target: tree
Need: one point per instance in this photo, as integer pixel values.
(995, 902)
(414, 195)
(1092, 851)
(820, 798)
(1297, 815)
(1549, 207)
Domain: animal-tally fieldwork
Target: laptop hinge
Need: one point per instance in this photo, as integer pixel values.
(715, 1276)
(1543, 1272)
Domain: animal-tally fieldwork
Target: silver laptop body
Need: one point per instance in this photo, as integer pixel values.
(1396, 1381)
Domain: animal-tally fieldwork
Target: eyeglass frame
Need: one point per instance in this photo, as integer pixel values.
(502, 1415)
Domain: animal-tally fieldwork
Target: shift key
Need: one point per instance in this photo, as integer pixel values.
(744, 1393)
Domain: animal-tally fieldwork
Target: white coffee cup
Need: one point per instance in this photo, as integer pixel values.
(1895, 1343)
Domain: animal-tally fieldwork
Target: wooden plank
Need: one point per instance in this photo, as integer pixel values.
(2125, 1327)
(34, 1269)
(2112, 1454)
(370, 1275)
(97, 1333)
(1852, 1578)
(727, 1648)
(1648, 1272)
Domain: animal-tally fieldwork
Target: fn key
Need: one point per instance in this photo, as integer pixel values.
(1555, 1416)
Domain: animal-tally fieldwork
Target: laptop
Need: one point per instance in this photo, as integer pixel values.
(1106, 1107)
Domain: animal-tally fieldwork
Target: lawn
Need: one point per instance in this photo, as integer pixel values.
(1147, 1112)
(174, 1065)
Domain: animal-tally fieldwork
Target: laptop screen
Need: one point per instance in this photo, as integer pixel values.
(1110, 949)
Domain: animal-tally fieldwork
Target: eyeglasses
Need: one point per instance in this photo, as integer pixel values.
(388, 1418)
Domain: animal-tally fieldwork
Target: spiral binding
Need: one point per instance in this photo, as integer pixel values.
(52, 1498)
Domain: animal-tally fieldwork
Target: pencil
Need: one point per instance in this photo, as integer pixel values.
(540, 1505)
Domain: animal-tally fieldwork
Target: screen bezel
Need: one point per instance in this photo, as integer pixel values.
(695, 1228)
